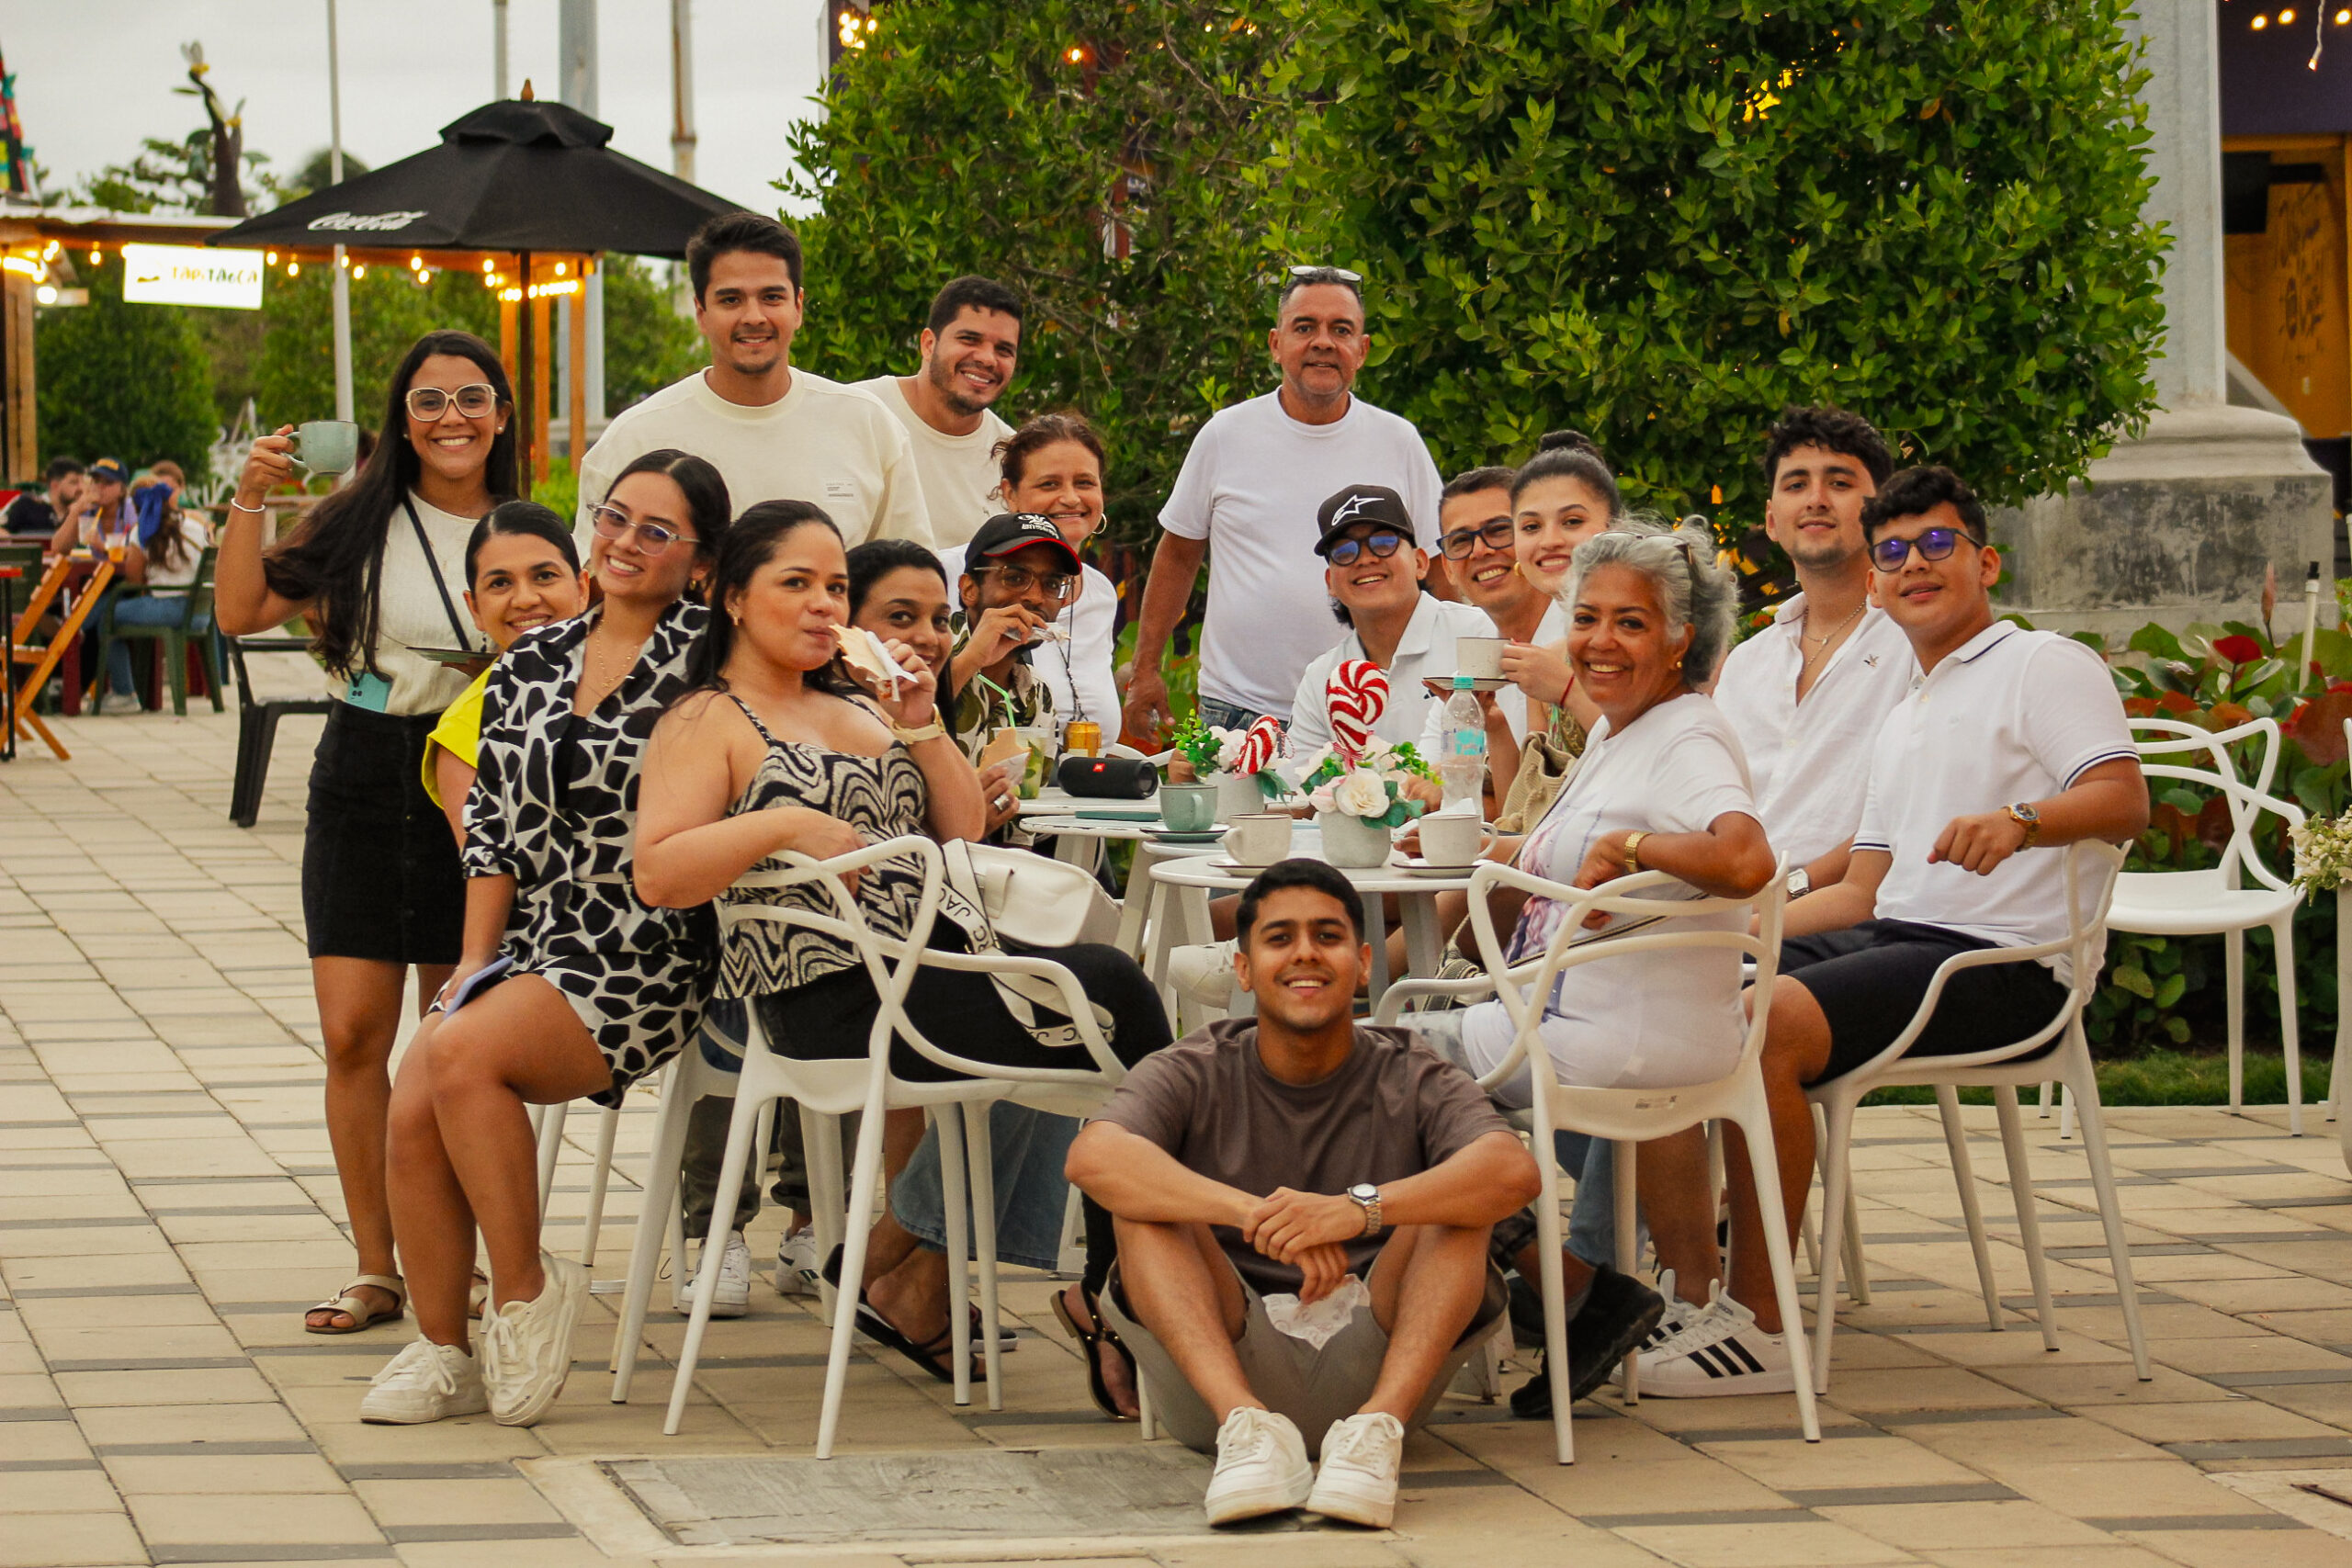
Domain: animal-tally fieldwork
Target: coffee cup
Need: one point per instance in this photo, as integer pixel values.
(326, 446)
(1480, 657)
(1452, 837)
(1188, 807)
(1259, 838)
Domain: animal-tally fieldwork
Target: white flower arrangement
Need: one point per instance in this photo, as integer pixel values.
(2322, 852)
(1371, 789)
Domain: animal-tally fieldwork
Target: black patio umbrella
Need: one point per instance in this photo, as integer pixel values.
(516, 175)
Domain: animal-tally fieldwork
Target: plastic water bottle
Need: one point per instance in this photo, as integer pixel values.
(1462, 749)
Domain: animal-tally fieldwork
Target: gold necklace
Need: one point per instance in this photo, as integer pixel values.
(1829, 636)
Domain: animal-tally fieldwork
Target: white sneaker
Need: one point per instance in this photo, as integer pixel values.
(526, 1346)
(795, 1263)
(1204, 972)
(121, 702)
(1718, 1351)
(1261, 1467)
(425, 1383)
(1357, 1480)
(734, 1298)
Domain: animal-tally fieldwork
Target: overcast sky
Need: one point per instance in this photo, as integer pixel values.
(94, 76)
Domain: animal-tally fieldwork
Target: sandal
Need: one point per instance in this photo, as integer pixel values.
(477, 1295)
(1091, 1343)
(351, 1306)
(932, 1355)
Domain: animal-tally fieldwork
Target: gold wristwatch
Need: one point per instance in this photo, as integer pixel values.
(1633, 850)
(2026, 817)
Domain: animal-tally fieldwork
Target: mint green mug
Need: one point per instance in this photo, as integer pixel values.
(326, 446)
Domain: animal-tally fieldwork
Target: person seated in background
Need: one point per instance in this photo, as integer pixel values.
(521, 573)
(1298, 1154)
(1662, 786)
(1372, 567)
(169, 556)
(34, 514)
(100, 513)
(2011, 744)
(1808, 693)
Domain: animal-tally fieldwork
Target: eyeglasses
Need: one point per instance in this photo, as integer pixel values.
(1347, 552)
(431, 403)
(1496, 531)
(1308, 269)
(1935, 544)
(1056, 586)
(652, 539)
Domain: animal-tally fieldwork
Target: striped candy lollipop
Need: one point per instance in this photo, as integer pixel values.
(1358, 693)
(1257, 747)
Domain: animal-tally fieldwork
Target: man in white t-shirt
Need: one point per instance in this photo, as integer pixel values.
(1808, 693)
(774, 433)
(970, 346)
(2010, 744)
(1246, 499)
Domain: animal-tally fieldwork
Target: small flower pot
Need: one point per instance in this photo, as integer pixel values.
(1356, 842)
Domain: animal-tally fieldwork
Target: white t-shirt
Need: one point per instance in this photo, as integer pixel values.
(1252, 485)
(959, 472)
(1810, 761)
(410, 612)
(1079, 672)
(2012, 715)
(820, 442)
(1642, 1020)
(194, 537)
(1424, 653)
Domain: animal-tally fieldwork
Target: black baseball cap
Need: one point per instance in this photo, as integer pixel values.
(1009, 533)
(1362, 503)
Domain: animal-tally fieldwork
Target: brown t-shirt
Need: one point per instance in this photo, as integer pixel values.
(1394, 1108)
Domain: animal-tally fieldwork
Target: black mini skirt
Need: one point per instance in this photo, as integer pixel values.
(380, 876)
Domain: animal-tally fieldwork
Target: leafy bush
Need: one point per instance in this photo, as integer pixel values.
(1659, 222)
(1090, 153)
(120, 380)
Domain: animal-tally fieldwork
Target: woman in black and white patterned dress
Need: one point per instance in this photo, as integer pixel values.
(568, 984)
(782, 753)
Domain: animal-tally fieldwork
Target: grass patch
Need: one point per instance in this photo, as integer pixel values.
(2168, 1078)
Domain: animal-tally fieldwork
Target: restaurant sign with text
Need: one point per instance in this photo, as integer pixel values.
(191, 274)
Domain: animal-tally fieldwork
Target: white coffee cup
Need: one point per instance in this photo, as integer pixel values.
(1259, 838)
(1452, 837)
(1480, 657)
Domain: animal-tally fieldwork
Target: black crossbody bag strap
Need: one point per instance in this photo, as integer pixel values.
(433, 563)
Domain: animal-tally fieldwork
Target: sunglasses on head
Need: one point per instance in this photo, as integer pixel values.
(1347, 552)
(1935, 544)
(1307, 269)
(1494, 532)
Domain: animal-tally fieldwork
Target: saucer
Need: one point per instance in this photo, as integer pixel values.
(1187, 836)
(1440, 687)
(1423, 868)
(1227, 863)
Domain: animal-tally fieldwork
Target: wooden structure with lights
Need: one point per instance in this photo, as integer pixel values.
(39, 246)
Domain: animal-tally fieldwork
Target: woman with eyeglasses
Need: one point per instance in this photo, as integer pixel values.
(378, 570)
(569, 984)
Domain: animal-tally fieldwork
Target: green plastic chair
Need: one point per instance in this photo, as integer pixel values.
(194, 621)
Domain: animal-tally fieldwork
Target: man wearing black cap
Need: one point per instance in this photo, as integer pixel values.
(1019, 574)
(1372, 567)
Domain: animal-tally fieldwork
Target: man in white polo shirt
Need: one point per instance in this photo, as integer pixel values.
(2010, 744)
(970, 345)
(1808, 693)
(774, 433)
(1247, 498)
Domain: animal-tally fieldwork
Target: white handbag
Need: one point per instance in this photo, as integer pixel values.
(1029, 898)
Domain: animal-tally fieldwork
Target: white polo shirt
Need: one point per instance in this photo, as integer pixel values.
(2013, 715)
(1810, 762)
(1424, 653)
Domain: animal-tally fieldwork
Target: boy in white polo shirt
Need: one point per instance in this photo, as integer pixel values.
(2010, 744)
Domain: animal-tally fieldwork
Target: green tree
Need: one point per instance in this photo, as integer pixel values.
(129, 381)
(1092, 154)
(1657, 223)
(294, 376)
(646, 343)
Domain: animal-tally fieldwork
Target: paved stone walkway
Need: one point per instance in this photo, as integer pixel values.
(168, 1207)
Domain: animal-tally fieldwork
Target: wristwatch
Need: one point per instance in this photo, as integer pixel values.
(2026, 817)
(1633, 850)
(1799, 883)
(1366, 1196)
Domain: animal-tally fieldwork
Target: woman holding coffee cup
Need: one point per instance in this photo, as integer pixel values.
(378, 569)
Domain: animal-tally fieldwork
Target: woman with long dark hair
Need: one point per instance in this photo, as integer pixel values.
(570, 985)
(378, 569)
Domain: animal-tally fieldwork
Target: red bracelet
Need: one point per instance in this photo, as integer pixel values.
(1566, 689)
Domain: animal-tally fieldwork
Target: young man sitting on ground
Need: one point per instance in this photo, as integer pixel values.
(1297, 1153)
(2011, 744)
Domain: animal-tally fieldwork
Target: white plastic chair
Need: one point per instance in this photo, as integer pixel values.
(2212, 902)
(550, 1121)
(2091, 870)
(1628, 1116)
(832, 1088)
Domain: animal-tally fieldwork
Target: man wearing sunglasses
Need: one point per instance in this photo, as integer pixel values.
(1246, 500)
(1019, 575)
(1373, 571)
(2010, 745)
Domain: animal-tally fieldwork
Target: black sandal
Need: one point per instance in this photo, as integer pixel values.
(1091, 1343)
(935, 1354)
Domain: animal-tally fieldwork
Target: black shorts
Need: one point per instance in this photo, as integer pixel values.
(380, 877)
(1868, 980)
